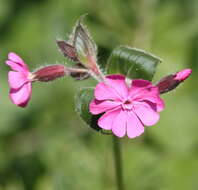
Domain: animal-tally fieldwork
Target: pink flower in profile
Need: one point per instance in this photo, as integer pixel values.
(20, 80)
(127, 108)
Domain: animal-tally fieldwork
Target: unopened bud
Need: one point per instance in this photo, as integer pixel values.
(80, 48)
(86, 49)
(183, 75)
(170, 82)
(50, 73)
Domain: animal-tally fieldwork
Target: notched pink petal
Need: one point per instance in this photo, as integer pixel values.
(16, 66)
(21, 96)
(138, 85)
(156, 100)
(115, 77)
(16, 79)
(98, 106)
(156, 104)
(150, 94)
(140, 93)
(107, 119)
(160, 104)
(146, 114)
(118, 83)
(152, 97)
(104, 92)
(134, 126)
(15, 58)
(119, 124)
(16, 63)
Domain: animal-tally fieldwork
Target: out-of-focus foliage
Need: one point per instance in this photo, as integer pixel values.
(46, 146)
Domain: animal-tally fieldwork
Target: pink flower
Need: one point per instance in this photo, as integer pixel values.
(20, 80)
(128, 108)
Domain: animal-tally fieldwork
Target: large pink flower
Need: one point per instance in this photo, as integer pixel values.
(19, 80)
(128, 107)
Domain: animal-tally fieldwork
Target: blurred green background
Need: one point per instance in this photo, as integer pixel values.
(46, 146)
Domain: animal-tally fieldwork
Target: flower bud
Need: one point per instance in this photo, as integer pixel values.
(68, 50)
(86, 50)
(183, 75)
(50, 73)
(170, 82)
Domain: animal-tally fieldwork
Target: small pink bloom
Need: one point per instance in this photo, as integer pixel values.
(127, 108)
(20, 80)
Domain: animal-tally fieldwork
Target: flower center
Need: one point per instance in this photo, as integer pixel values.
(127, 105)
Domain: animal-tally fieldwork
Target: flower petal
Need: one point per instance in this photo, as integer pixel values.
(141, 92)
(16, 66)
(98, 106)
(15, 58)
(156, 103)
(134, 126)
(146, 114)
(140, 83)
(150, 94)
(105, 92)
(118, 83)
(137, 85)
(16, 63)
(106, 121)
(16, 79)
(119, 124)
(21, 96)
(160, 104)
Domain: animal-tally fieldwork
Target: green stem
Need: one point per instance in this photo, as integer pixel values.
(118, 163)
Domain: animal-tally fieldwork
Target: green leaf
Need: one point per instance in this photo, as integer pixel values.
(133, 63)
(82, 101)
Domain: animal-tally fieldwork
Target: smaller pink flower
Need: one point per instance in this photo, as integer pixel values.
(127, 108)
(20, 80)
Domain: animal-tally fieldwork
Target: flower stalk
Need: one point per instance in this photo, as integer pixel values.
(118, 163)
